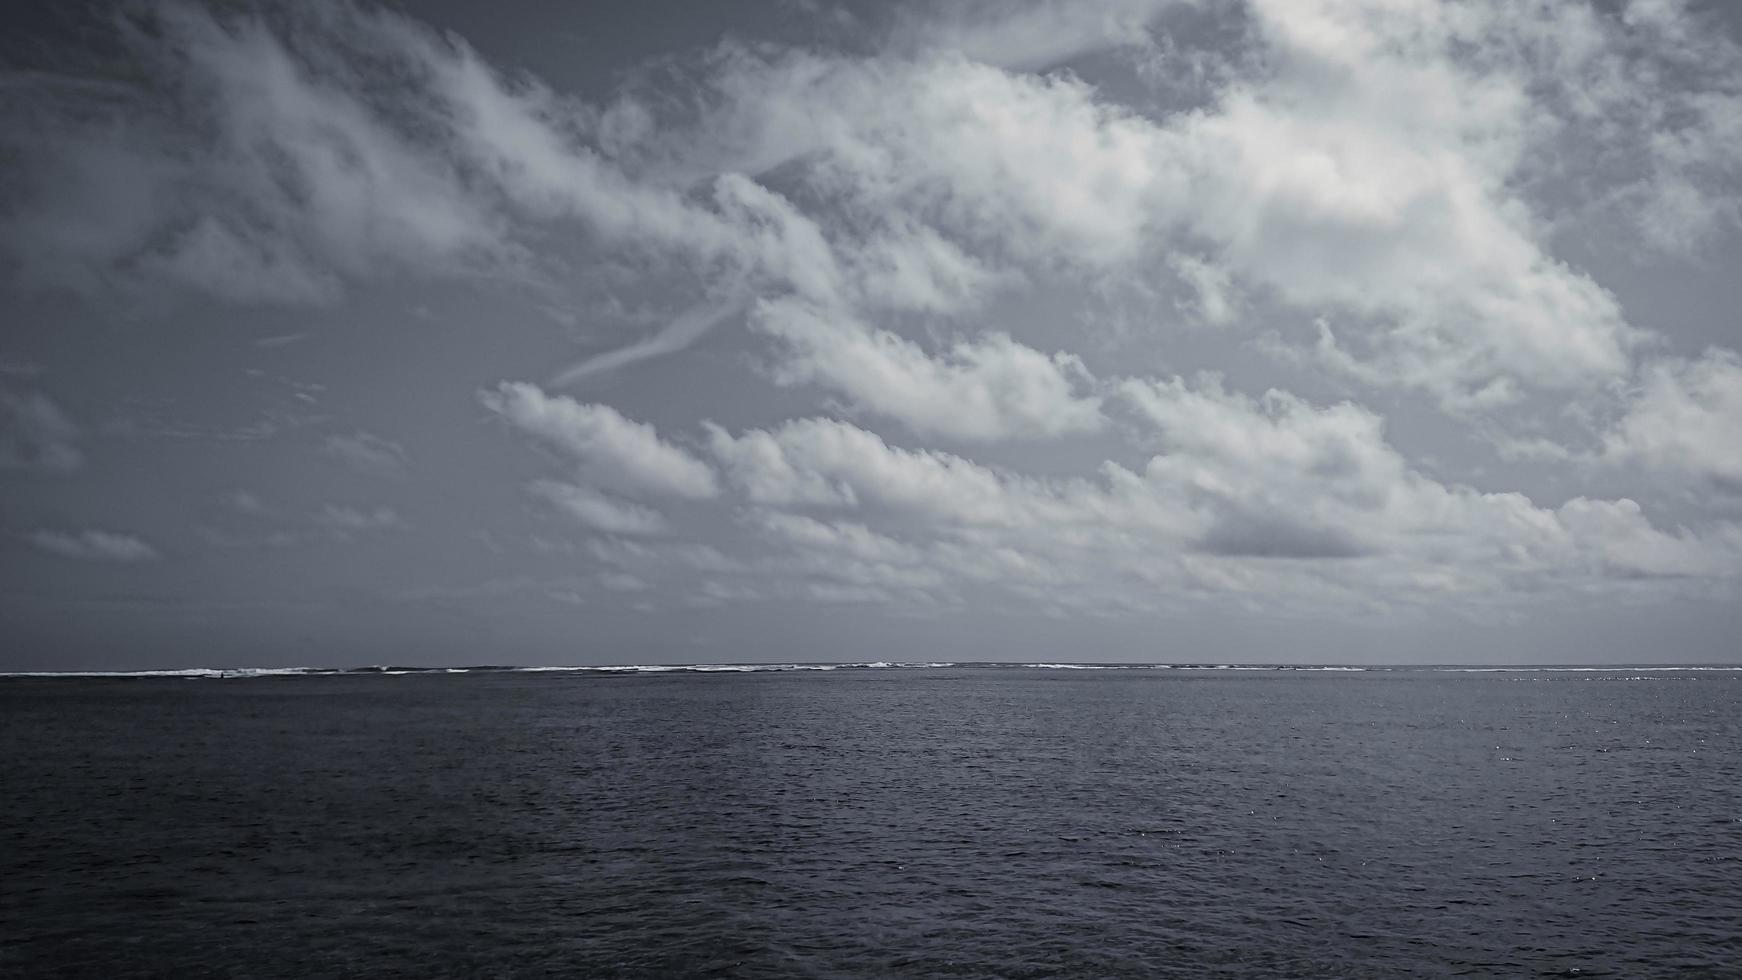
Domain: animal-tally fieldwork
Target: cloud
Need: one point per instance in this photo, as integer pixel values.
(600, 511)
(757, 463)
(35, 435)
(1664, 72)
(247, 504)
(682, 331)
(1368, 172)
(627, 455)
(1031, 35)
(1280, 477)
(256, 157)
(1367, 176)
(831, 463)
(1384, 192)
(1006, 167)
(622, 582)
(1270, 497)
(366, 453)
(344, 521)
(1616, 535)
(1276, 477)
(986, 389)
(93, 545)
(247, 521)
(1686, 420)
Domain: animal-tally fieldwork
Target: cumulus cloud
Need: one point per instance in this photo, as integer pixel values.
(1367, 172)
(1686, 418)
(1668, 71)
(1367, 176)
(1278, 476)
(609, 448)
(93, 545)
(832, 463)
(989, 388)
(1269, 496)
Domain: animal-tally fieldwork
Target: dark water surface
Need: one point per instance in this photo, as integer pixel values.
(926, 822)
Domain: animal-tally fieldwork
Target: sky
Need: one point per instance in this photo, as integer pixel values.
(1323, 331)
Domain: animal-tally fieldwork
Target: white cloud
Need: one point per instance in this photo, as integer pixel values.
(1006, 166)
(845, 537)
(1686, 418)
(830, 463)
(756, 462)
(682, 331)
(1278, 476)
(1616, 536)
(1271, 497)
(622, 453)
(600, 511)
(1668, 75)
(253, 158)
(1031, 35)
(986, 389)
(1367, 175)
(1368, 170)
(93, 545)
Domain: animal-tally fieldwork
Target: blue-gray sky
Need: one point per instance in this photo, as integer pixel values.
(1276, 330)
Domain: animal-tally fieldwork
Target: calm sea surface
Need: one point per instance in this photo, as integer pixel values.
(898, 822)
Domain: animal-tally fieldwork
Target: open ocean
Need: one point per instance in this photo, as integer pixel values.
(970, 821)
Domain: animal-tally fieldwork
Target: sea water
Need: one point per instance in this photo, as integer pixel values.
(877, 820)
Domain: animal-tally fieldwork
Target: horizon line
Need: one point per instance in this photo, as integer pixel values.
(239, 672)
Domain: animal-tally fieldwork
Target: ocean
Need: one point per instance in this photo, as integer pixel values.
(873, 821)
